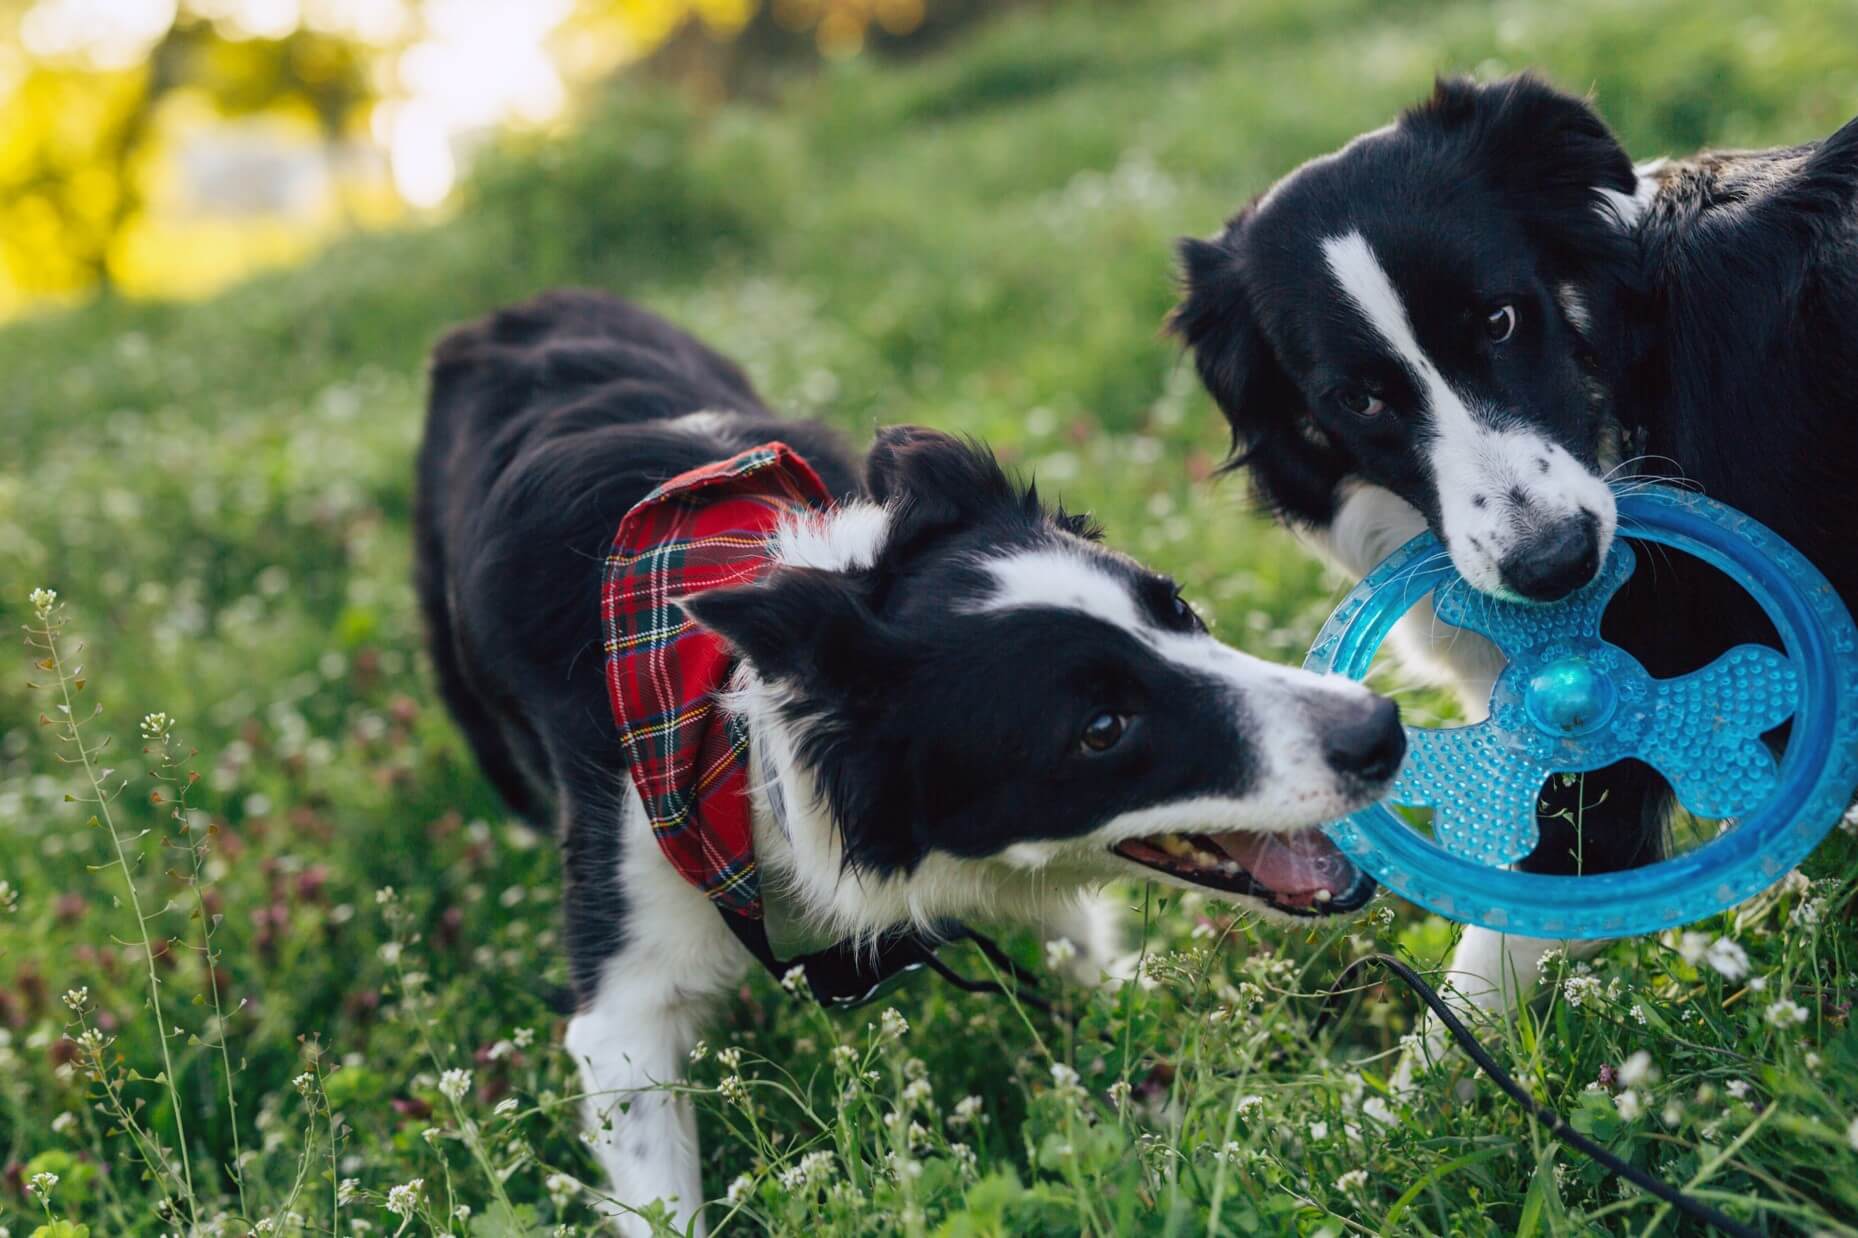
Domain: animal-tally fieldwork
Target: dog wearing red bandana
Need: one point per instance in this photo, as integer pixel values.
(783, 707)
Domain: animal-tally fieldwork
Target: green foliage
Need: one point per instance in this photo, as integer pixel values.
(980, 240)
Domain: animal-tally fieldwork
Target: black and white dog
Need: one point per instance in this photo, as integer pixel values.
(1473, 318)
(954, 701)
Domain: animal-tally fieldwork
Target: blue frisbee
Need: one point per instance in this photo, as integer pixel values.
(1570, 702)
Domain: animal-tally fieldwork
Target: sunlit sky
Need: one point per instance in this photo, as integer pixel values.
(470, 65)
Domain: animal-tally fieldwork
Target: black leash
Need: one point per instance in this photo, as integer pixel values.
(1556, 1124)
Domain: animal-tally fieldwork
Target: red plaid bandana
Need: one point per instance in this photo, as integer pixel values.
(706, 529)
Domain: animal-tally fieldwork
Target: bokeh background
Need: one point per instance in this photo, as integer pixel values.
(229, 232)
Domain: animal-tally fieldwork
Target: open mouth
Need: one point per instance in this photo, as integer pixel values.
(1300, 873)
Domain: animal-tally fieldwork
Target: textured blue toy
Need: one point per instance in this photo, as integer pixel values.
(1571, 702)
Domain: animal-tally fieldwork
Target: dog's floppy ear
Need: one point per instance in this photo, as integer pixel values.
(931, 482)
(1294, 467)
(802, 624)
(1551, 154)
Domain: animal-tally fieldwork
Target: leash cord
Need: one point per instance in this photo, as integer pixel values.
(1556, 1124)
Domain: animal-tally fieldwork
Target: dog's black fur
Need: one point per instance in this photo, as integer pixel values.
(1720, 346)
(547, 424)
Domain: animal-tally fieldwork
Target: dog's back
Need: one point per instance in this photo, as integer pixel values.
(546, 422)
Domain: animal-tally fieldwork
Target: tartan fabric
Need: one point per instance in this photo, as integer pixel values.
(705, 529)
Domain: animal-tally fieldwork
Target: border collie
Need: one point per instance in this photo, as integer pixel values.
(941, 698)
(1474, 318)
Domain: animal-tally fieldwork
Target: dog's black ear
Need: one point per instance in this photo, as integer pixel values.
(932, 482)
(1294, 467)
(1532, 139)
(801, 624)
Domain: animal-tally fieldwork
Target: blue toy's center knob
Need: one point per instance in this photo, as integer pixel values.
(1570, 697)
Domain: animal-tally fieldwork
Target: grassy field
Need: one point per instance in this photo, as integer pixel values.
(219, 494)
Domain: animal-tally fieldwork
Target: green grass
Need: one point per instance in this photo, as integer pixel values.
(980, 240)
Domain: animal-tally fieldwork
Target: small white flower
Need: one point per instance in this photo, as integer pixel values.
(78, 998)
(699, 1051)
(739, 1189)
(507, 1106)
(1691, 947)
(1737, 1088)
(1063, 1076)
(733, 1090)
(1786, 1012)
(403, 1199)
(1629, 1105)
(42, 1183)
(1319, 1130)
(1673, 1113)
(1851, 1134)
(1757, 984)
(561, 1188)
(1059, 951)
(346, 1190)
(1849, 822)
(42, 602)
(9, 897)
(1246, 1104)
(432, 1135)
(382, 897)
(1353, 1180)
(893, 1024)
(500, 1050)
(794, 980)
(155, 726)
(453, 1084)
(1729, 959)
(524, 1037)
(390, 952)
(461, 1212)
(729, 1058)
(305, 1083)
(1813, 1061)
(967, 1112)
(918, 1092)
(1638, 1014)
(1580, 989)
(1119, 1093)
(65, 1123)
(1637, 1070)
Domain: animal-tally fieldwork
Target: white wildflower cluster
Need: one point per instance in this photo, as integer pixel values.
(42, 1183)
(1059, 951)
(794, 981)
(523, 1036)
(729, 1058)
(9, 897)
(65, 1123)
(454, 1083)
(77, 998)
(699, 1051)
(561, 1188)
(1065, 1081)
(815, 1169)
(42, 602)
(403, 1200)
(893, 1025)
(1638, 1070)
(1353, 1180)
(1720, 954)
(733, 1090)
(1580, 990)
(507, 1106)
(1245, 1106)
(305, 1084)
(1784, 1012)
(1629, 1104)
(739, 1189)
(346, 1190)
(968, 1111)
(1849, 822)
(156, 726)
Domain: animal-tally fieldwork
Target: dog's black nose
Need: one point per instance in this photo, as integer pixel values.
(1365, 740)
(1555, 562)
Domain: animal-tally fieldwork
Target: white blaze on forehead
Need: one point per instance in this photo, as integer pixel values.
(1063, 580)
(1479, 464)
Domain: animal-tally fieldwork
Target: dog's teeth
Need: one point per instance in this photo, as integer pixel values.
(1322, 896)
(1229, 868)
(1175, 846)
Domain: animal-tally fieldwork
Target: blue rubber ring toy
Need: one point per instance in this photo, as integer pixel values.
(1570, 702)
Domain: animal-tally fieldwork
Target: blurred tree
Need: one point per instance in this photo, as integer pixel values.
(97, 95)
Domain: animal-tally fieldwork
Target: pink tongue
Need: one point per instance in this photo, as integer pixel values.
(1292, 866)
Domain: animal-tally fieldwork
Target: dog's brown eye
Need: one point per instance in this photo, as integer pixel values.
(1500, 323)
(1104, 731)
(1363, 403)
